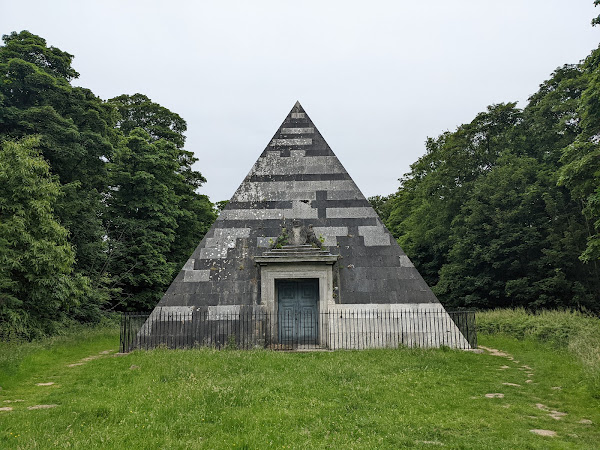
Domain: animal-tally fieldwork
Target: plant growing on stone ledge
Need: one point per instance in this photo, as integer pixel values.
(282, 239)
(322, 239)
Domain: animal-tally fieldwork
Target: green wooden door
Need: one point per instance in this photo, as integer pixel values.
(298, 312)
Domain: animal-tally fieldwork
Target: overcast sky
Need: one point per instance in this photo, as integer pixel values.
(376, 77)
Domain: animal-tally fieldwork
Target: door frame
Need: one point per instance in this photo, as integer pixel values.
(278, 282)
(269, 295)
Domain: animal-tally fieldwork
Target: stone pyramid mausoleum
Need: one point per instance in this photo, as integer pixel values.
(298, 242)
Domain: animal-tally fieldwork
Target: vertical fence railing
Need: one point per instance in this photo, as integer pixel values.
(343, 329)
(466, 324)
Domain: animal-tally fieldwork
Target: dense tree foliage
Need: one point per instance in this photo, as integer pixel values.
(581, 158)
(126, 194)
(155, 216)
(164, 130)
(37, 285)
(505, 211)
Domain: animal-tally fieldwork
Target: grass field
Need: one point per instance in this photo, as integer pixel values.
(261, 399)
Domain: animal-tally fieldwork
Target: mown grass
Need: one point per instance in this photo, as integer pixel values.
(260, 399)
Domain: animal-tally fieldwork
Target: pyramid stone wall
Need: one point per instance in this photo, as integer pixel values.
(298, 177)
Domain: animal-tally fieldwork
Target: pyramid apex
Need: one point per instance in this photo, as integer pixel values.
(297, 107)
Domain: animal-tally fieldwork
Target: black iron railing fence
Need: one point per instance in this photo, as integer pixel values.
(342, 329)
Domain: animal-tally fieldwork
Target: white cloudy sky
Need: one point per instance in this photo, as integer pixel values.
(377, 77)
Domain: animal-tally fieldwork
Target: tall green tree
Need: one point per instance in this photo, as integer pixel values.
(76, 135)
(192, 213)
(432, 193)
(506, 251)
(38, 288)
(138, 111)
(382, 206)
(142, 219)
(581, 159)
(553, 121)
(126, 189)
(481, 213)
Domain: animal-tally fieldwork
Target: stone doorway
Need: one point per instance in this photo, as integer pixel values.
(311, 269)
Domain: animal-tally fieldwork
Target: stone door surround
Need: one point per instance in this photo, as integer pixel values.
(294, 265)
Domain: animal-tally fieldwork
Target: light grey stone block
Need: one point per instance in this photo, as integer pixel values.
(330, 234)
(185, 310)
(222, 240)
(341, 185)
(374, 235)
(281, 196)
(422, 325)
(299, 210)
(252, 214)
(296, 164)
(309, 130)
(287, 142)
(196, 275)
(350, 213)
(231, 233)
(345, 195)
(163, 313)
(297, 115)
(405, 261)
(256, 191)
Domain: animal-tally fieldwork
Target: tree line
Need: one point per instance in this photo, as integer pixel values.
(505, 210)
(98, 199)
(99, 203)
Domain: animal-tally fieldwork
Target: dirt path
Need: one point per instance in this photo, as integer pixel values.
(530, 373)
(51, 384)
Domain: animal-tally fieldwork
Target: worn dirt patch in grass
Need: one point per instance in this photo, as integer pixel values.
(82, 361)
(556, 415)
(41, 407)
(494, 351)
(544, 432)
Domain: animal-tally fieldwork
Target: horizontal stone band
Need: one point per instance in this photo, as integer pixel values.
(297, 141)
